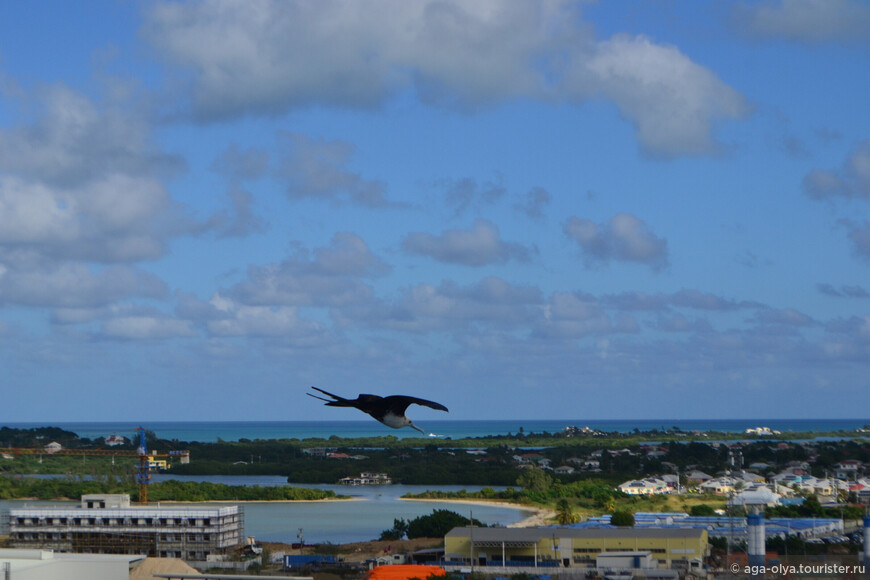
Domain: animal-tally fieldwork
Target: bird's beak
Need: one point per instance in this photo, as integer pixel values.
(417, 428)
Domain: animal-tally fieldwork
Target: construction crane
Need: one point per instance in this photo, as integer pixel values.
(145, 457)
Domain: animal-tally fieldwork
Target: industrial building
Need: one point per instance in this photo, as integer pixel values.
(106, 524)
(46, 565)
(570, 547)
(733, 528)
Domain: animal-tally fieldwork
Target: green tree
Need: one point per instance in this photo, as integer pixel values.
(702, 510)
(564, 513)
(535, 481)
(437, 524)
(397, 532)
(622, 518)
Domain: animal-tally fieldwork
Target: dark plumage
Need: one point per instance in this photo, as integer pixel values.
(388, 410)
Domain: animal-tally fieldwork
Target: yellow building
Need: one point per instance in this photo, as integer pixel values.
(565, 547)
(154, 463)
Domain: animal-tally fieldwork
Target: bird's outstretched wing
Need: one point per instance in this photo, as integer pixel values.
(398, 403)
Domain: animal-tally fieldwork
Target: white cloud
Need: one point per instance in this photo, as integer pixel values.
(680, 323)
(479, 246)
(852, 180)
(238, 219)
(83, 180)
(860, 238)
(329, 278)
(783, 316)
(72, 141)
(146, 327)
(452, 306)
(843, 291)
(532, 204)
(464, 193)
(281, 55)
(74, 285)
(117, 218)
(317, 168)
(672, 102)
(808, 21)
(574, 315)
(624, 238)
(237, 163)
(260, 321)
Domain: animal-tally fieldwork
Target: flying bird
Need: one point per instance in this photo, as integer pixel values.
(388, 410)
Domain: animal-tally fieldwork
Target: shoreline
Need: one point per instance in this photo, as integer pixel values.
(174, 501)
(538, 517)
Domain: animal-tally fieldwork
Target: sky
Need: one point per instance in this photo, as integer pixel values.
(519, 209)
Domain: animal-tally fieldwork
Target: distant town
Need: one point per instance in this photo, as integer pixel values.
(693, 503)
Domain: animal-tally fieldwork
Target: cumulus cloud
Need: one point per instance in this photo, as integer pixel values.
(278, 56)
(85, 182)
(574, 315)
(479, 246)
(241, 164)
(807, 21)
(532, 204)
(318, 168)
(265, 321)
(852, 180)
(72, 285)
(330, 278)
(451, 306)
(843, 291)
(238, 219)
(783, 316)
(681, 323)
(72, 141)
(464, 193)
(146, 327)
(672, 102)
(624, 238)
(859, 235)
(705, 301)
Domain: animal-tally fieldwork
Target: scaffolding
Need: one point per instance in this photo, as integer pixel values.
(188, 533)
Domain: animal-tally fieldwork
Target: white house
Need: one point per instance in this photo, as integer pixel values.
(648, 486)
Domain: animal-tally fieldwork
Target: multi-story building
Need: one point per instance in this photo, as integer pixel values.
(106, 524)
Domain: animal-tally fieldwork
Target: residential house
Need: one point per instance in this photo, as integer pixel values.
(719, 485)
(848, 469)
(647, 486)
(695, 478)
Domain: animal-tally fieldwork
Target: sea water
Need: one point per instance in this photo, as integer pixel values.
(212, 431)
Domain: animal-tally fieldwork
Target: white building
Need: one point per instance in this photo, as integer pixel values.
(756, 495)
(47, 565)
(106, 524)
(648, 486)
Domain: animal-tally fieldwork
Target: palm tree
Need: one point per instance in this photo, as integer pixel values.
(564, 514)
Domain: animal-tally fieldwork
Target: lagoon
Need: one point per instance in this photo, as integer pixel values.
(334, 521)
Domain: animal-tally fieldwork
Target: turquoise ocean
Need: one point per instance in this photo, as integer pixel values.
(212, 431)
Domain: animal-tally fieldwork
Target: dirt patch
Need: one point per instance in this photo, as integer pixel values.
(151, 566)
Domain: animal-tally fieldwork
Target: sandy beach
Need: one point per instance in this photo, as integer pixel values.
(539, 518)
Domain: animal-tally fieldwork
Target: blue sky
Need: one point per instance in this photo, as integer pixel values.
(519, 209)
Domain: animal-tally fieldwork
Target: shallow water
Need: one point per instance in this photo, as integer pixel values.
(337, 522)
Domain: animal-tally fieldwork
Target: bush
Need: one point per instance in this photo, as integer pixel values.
(702, 510)
(622, 518)
(438, 524)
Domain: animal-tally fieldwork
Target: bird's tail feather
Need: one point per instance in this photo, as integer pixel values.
(338, 402)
